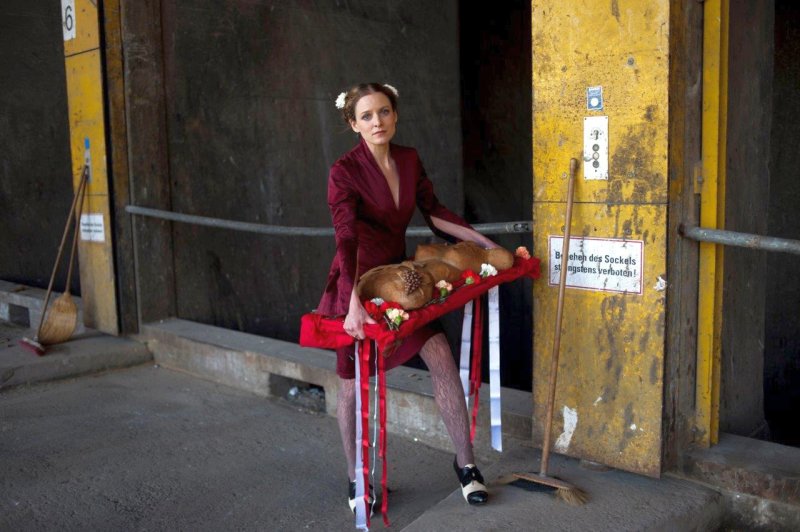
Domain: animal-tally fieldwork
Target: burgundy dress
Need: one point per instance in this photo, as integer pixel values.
(371, 231)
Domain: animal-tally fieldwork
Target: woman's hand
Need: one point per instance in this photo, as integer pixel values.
(356, 317)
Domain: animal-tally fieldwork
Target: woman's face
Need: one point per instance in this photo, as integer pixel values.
(376, 121)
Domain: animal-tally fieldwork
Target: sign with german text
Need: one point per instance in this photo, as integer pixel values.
(604, 264)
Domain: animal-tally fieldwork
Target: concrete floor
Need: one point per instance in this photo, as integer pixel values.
(152, 449)
(147, 448)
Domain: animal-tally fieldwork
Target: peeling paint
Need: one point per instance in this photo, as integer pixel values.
(613, 343)
(570, 422)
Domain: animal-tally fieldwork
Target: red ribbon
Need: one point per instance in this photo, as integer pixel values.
(326, 332)
(475, 373)
(363, 360)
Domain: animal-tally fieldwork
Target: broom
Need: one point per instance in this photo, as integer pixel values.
(564, 490)
(62, 317)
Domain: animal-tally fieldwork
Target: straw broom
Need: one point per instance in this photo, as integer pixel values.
(563, 490)
(62, 316)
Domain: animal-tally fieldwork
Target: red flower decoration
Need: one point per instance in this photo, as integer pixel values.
(470, 277)
(372, 309)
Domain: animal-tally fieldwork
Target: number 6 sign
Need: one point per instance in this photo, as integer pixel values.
(68, 18)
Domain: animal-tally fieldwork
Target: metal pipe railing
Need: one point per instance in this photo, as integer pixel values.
(742, 240)
(280, 230)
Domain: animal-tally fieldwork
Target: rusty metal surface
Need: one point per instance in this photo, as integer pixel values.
(611, 375)
(611, 363)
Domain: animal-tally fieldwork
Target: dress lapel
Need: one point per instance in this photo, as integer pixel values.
(381, 185)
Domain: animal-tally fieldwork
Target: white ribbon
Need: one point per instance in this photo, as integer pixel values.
(375, 424)
(361, 511)
(494, 368)
(466, 344)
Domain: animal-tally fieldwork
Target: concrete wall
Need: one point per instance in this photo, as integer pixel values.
(782, 342)
(252, 130)
(746, 201)
(35, 168)
(496, 99)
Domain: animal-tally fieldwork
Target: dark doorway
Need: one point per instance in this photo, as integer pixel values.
(760, 392)
(782, 309)
(496, 111)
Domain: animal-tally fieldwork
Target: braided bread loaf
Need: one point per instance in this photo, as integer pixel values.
(404, 284)
(465, 256)
(411, 283)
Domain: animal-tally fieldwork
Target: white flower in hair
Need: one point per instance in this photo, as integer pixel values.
(340, 101)
(394, 91)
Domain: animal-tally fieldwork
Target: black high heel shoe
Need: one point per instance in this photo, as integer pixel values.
(351, 494)
(471, 480)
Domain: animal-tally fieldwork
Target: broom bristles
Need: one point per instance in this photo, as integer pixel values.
(563, 490)
(60, 321)
(572, 496)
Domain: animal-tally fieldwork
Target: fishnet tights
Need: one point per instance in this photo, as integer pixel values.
(447, 391)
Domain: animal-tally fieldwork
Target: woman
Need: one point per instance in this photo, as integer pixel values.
(372, 192)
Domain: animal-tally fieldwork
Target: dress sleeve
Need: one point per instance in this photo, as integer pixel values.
(343, 202)
(429, 205)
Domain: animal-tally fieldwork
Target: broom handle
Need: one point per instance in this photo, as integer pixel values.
(562, 282)
(78, 210)
(58, 257)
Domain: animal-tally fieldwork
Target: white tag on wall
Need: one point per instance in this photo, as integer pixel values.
(92, 227)
(68, 19)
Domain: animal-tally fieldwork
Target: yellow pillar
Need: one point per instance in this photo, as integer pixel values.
(82, 58)
(608, 62)
(711, 186)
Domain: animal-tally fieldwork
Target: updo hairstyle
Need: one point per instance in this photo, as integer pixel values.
(357, 92)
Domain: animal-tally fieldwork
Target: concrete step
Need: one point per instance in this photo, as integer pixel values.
(22, 305)
(89, 352)
(618, 501)
(761, 480)
(262, 365)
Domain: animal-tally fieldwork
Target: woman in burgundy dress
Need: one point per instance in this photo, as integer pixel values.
(372, 192)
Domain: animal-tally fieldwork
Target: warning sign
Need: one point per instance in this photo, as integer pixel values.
(92, 228)
(606, 264)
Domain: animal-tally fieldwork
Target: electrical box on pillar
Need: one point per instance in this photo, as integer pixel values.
(600, 80)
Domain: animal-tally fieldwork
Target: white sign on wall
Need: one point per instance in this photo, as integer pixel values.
(605, 264)
(92, 228)
(68, 19)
